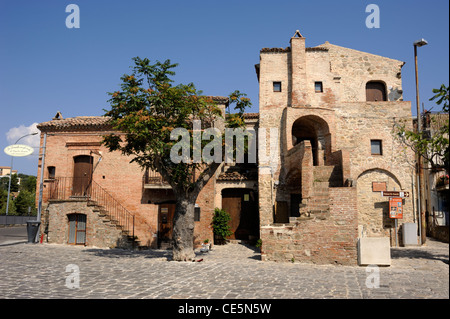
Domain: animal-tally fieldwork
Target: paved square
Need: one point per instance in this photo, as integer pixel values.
(226, 272)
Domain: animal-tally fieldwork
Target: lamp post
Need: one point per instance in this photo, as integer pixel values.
(422, 228)
(10, 173)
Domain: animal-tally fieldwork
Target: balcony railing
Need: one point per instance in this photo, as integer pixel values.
(154, 180)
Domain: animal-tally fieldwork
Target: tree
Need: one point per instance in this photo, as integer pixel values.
(4, 182)
(24, 200)
(434, 148)
(148, 112)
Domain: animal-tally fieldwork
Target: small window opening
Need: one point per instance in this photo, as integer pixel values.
(318, 87)
(197, 214)
(277, 86)
(376, 147)
(51, 172)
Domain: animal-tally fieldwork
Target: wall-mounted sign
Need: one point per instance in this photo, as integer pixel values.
(395, 208)
(395, 194)
(18, 150)
(378, 186)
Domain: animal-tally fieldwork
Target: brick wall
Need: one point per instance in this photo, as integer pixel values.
(320, 239)
(121, 179)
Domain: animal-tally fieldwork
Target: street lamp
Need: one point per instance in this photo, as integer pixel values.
(11, 171)
(419, 43)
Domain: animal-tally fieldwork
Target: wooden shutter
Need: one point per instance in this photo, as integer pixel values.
(375, 91)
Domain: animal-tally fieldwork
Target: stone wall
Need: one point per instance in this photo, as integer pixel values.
(100, 232)
(328, 238)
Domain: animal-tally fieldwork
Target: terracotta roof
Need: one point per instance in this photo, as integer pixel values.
(237, 176)
(79, 122)
(316, 49)
(276, 50)
(251, 115)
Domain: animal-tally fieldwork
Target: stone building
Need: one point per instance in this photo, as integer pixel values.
(330, 111)
(335, 109)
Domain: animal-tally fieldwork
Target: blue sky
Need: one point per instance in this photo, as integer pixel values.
(46, 67)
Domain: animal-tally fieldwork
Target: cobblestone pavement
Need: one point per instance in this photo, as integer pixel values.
(230, 271)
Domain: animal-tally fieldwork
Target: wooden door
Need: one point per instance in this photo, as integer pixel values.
(82, 174)
(231, 203)
(375, 91)
(165, 222)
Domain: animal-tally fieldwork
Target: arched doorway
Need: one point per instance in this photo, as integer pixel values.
(373, 209)
(314, 129)
(242, 205)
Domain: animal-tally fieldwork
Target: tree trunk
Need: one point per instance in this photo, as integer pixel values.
(183, 230)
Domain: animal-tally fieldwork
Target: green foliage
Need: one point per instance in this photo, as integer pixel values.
(28, 183)
(26, 197)
(442, 96)
(3, 200)
(14, 183)
(148, 107)
(220, 225)
(434, 149)
(24, 200)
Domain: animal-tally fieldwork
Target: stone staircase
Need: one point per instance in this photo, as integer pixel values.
(318, 204)
(113, 227)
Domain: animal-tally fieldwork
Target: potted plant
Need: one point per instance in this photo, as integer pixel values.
(220, 226)
(206, 245)
(259, 244)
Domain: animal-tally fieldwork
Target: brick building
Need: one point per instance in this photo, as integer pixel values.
(332, 109)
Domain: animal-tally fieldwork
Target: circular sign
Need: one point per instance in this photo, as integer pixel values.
(19, 150)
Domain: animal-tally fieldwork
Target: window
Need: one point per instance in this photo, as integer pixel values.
(77, 229)
(196, 213)
(375, 91)
(376, 147)
(277, 86)
(51, 172)
(318, 87)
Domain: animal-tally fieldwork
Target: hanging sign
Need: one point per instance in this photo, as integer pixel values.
(395, 208)
(18, 150)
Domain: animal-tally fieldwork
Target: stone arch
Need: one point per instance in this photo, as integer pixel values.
(388, 172)
(373, 209)
(316, 130)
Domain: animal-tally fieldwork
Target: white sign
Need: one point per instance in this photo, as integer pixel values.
(19, 150)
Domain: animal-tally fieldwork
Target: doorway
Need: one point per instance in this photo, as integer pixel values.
(77, 229)
(242, 205)
(82, 174)
(165, 223)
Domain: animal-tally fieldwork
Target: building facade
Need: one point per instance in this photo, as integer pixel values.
(335, 109)
(330, 110)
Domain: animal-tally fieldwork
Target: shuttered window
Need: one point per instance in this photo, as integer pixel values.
(375, 91)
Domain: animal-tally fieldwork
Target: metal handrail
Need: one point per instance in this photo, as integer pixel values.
(62, 188)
